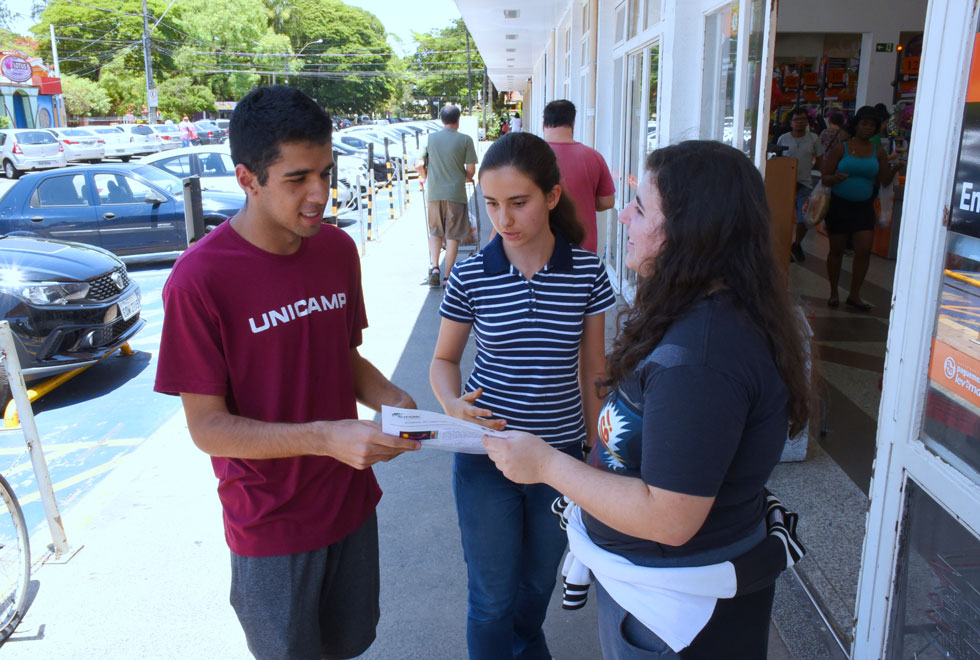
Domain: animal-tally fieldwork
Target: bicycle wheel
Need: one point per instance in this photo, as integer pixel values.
(15, 562)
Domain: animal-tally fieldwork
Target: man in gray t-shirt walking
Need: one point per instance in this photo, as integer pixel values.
(448, 162)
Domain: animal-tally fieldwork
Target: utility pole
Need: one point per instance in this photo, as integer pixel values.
(151, 93)
(469, 90)
(62, 119)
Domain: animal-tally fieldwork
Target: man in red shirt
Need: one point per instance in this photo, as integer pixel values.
(263, 318)
(584, 174)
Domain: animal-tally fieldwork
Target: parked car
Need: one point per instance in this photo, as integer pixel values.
(28, 149)
(80, 145)
(223, 124)
(68, 305)
(209, 133)
(213, 164)
(134, 211)
(118, 143)
(359, 141)
(143, 136)
(378, 166)
(168, 134)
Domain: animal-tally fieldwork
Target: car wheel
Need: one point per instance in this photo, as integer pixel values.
(9, 170)
(125, 159)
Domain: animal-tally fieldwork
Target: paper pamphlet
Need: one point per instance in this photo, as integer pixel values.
(434, 430)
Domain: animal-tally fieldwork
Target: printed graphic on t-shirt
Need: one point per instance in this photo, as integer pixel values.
(298, 309)
(618, 424)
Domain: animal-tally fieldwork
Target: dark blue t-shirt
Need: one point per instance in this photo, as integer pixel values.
(706, 414)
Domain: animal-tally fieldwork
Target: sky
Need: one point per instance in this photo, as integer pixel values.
(399, 17)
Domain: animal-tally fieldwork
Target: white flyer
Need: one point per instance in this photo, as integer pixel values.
(435, 430)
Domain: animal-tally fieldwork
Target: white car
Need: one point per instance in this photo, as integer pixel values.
(143, 136)
(80, 144)
(118, 143)
(28, 149)
(169, 135)
(212, 162)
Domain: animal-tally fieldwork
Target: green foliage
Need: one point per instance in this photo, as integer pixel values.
(493, 126)
(440, 65)
(227, 44)
(84, 98)
(179, 96)
(348, 71)
(4, 121)
(89, 37)
(126, 91)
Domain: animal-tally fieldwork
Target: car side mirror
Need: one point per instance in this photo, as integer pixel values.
(153, 197)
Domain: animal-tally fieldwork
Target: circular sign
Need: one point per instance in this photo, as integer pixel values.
(16, 68)
(949, 367)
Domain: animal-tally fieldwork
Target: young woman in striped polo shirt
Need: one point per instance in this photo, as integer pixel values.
(535, 301)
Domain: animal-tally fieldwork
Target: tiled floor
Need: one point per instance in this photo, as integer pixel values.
(829, 488)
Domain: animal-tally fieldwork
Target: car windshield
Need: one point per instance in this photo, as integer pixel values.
(107, 131)
(161, 179)
(165, 128)
(76, 132)
(35, 137)
(141, 129)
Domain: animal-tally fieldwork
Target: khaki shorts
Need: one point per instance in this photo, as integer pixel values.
(449, 219)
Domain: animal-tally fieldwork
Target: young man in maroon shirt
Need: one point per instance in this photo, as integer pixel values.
(263, 318)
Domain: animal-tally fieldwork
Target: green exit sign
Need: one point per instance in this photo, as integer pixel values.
(884, 48)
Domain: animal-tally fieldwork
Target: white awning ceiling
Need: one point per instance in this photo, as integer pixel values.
(511, 46)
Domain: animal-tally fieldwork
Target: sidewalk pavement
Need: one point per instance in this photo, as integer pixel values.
(151, 577)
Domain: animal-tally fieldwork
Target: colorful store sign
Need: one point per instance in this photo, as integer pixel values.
(16, 68)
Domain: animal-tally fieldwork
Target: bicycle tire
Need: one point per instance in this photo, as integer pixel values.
(15, 562)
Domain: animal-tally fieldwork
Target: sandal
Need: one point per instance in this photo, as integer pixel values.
(859, 306)
(833, 302)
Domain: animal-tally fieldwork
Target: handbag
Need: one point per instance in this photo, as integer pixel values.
(816, 205)
(885, 204)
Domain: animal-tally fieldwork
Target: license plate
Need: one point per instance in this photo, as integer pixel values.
(44, 163)
(130, 307)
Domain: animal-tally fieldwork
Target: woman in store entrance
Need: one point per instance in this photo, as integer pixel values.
(705, 378)
(535, 301)
(852, 169)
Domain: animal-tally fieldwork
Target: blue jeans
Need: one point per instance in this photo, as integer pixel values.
(802, 194)
(512, 545)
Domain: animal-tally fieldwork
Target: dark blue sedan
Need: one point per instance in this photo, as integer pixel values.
(134, 211)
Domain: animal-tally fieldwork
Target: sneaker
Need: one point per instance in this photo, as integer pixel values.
(797, 252)
(434, 280)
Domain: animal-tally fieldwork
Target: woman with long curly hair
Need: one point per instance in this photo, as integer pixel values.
(704, 380)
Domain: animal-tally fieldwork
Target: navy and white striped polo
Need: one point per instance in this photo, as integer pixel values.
(528, 334)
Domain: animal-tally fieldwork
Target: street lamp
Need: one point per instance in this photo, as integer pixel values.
(309, 43)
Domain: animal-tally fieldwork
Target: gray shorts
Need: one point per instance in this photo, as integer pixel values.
(310, 605)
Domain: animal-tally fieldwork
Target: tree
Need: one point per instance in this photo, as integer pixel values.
(348, 71)
(179, 96)
(96, 32)
(228, 44)
(126, 89)
(440, 66)
(84, 98)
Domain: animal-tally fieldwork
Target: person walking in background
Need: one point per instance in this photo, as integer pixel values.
(672, 484)
(535, 301)
(584, 173)
(187, 132)
(447, 164)
(269, 383)
(808, 151)
(854, 169)
(834, 132)
(515, 123)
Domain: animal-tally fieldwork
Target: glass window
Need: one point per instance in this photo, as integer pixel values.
(179, 166)
(652, 104)
(216, 164)
(653, 13)
(141, 129)
(936, 609)
(61, 191)
(718, 82)
(120, 189)
(635, 17)
(586, 16)
(620, 22)
(757, 26)
(951, 419)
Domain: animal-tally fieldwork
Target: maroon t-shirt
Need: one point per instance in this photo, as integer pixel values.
(584, 176)
(272, 334)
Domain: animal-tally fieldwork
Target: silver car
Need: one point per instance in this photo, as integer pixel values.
(118, 143)
(28, 149)
(79, 144)
(143, 136)
(169, 135)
